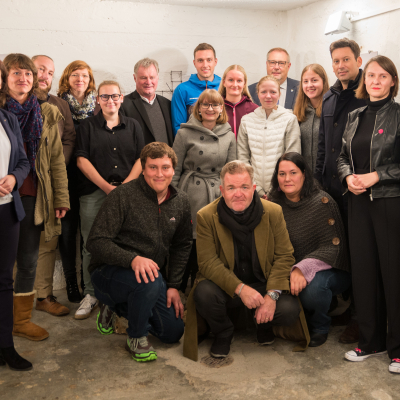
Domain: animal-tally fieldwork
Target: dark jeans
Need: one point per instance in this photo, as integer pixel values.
(374, 236)
(144, 305)
(212, 304)
(67, 240)
(9, 234)
(317, 296)
(28, 248)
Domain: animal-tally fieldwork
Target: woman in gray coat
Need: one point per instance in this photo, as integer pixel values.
(308, 108)
(203, 145)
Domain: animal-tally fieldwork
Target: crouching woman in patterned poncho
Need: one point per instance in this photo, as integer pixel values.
(317, 235)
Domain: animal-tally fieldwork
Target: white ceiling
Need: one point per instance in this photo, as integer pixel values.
(275, 5)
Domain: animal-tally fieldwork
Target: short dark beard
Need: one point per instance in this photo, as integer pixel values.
(42, 94)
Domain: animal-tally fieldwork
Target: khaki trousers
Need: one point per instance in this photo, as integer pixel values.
(45, 267)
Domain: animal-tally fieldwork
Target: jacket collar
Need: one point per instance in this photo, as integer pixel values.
(261, 236)
(337, 88)
(151, 193)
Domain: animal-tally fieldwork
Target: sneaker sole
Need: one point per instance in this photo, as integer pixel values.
(394, 370)
(102, 330)
(362, 358)
(84, 316)
(151, 356)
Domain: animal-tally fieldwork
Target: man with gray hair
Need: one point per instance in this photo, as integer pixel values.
(245, 257)
(153, 112)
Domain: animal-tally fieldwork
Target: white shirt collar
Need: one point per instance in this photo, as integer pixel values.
(147, 100)
(284, 85)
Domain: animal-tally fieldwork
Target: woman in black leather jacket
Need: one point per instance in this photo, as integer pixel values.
(369, 166)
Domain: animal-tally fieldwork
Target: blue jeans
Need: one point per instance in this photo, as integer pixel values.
(144, 305)
(317, 296)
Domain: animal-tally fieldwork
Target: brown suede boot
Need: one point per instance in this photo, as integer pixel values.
(23, 304)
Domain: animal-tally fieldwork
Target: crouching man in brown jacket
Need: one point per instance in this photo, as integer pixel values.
(245, 256)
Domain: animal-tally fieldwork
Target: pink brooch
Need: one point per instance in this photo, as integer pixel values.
(380, 131)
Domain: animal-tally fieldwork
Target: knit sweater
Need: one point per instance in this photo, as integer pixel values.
(131, 223)
(316, 229)
(262, 141)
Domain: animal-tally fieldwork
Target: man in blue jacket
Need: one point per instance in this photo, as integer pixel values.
(338, 102)
(187, 93)
(278, 65)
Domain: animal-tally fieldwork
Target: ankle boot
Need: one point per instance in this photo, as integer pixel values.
(14, 360)
(23, 304)
(74, 295)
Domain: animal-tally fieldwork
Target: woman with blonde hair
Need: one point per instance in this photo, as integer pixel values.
(267, 133)
(234, 90)
(203, 146)
(308, 107)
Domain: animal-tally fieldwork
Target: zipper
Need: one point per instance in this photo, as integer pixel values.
(370, 156)
(351, 155)
(41, 176)
(234, 120)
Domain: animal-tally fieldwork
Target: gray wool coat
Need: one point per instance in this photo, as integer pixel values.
(201, 155)
(309, 136)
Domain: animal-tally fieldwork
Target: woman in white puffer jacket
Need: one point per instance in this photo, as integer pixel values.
(265, 134)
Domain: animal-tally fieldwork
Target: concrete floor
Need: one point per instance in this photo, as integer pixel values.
(76, 362)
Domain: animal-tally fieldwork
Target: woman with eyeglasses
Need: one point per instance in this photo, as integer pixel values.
(265, 134)
(203, 146)
(108, 147)
(77, 87)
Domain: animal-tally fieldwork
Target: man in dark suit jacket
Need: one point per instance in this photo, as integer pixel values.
(278, 65)
(151, 111)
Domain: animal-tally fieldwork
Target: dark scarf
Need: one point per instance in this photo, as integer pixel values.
(31, 124)
(242, 228)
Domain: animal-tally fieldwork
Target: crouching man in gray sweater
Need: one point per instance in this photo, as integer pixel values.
(140, 242)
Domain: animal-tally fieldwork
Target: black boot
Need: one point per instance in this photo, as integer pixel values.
(74, 295)
(2, 360)
(14, 360)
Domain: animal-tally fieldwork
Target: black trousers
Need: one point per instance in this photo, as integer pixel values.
(374, 236)
(9, 235)
(212, 304)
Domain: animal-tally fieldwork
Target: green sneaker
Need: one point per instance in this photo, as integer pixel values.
(140, 349)
(105, 320)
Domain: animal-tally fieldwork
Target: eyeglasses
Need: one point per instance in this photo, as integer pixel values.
(280, 63)
(114, 96)
(206, 106)
(80, 76)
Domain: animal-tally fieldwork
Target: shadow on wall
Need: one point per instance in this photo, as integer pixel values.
(299, 62)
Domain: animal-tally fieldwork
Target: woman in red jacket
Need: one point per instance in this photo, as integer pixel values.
(234, 90)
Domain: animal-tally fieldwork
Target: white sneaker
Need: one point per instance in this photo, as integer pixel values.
(395, 366)
(88, 304)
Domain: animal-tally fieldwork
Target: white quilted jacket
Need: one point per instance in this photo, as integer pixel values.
(262, 141)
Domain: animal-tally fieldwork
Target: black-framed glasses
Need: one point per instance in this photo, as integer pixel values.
(114, 96)
(279, 63)
(206, 106)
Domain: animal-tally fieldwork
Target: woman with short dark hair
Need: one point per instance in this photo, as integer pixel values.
(14, 167)
(369, 166)
(203, 146)
(318, 238)
(44, 192)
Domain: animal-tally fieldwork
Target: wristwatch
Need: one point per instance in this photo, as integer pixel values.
(274, 295)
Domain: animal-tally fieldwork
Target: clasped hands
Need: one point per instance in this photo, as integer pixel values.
(148, 269)
(265, 306)
(358, 184)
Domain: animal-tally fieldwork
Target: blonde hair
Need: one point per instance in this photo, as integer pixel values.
(222, 88)
(108, 83)
(64, 85)
(212, 96)
(236, 167)
(279, 49)
(302, 99)
(268, 78)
